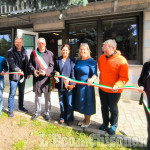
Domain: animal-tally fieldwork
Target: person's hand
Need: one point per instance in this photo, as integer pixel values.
(89, 81)
(36, 73)
(115, 88)
(70, 87)
(66, 82)
(141, 89)
(29, 76)
(20, 72)
(2, 73)
(42, 72)
(57, 74)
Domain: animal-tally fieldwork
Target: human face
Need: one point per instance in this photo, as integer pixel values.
(65, 52)
(41, 46)
(108, 51)
(83, 51)
(18, 44)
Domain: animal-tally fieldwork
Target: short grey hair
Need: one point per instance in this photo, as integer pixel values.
(18, 37)
(112, 43)
(42, 40)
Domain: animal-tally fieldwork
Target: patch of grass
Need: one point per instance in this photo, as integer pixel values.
(22, 122)
(4, 115)
(62, 137)
(19, 145)
(37, 123)
(50, 136)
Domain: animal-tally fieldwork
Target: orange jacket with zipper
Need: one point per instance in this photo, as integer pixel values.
(113, 71)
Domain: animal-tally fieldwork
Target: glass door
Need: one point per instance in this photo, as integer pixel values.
(30, 44)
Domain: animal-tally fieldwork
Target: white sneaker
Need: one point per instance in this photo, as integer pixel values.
(85, 125)
(80, 123)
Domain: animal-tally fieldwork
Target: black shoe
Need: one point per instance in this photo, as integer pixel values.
(23, 110)
(47, 117)
(34, 117)
(104, 127)
(69, 123)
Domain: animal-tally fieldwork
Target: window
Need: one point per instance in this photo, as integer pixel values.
(5, 42)
(126, 29)
(125, 32)
(83, 33)
(5, 45)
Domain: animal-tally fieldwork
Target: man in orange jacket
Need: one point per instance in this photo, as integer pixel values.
(113, 69)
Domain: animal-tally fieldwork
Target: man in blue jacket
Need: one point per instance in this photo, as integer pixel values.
(17, 59)
(3, 69)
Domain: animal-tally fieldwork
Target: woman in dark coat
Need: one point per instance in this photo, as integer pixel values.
(64, 65)
(41, 77)
(144, 85)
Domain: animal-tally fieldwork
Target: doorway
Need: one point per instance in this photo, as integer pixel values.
(29, 43)
(53, 41)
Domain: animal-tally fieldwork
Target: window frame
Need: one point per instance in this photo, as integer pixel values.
(100, 19)
(139, 18)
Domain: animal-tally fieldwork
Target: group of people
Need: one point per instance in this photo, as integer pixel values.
(113, 68)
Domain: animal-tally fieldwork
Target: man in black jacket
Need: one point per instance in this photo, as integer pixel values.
(17, 59)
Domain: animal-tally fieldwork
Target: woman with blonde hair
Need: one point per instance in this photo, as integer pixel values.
(85, 70)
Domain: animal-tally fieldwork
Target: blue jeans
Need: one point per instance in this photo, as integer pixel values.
(13, 87)
(66, 107)
(109, 102)
(1, 94)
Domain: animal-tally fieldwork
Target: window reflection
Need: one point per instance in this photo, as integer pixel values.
(83, 33)
(5, 43)
(125, 34)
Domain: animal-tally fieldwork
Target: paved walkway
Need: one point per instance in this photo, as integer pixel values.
(132, 120)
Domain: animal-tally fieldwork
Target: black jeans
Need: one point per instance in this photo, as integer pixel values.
(148, 127)
(109, 102)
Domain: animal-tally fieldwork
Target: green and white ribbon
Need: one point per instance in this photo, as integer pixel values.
(145, 100)
(40, 60)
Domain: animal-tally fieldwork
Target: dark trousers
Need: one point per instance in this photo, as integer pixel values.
(66, 107)
(109, 102)
(13, 87)
(148, 127)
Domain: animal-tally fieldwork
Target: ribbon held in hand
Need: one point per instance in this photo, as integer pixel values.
(20, 73)
(145, 100)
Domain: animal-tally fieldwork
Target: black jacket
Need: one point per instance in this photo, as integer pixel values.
(17, 62)
(144, 74)
(142, 79)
